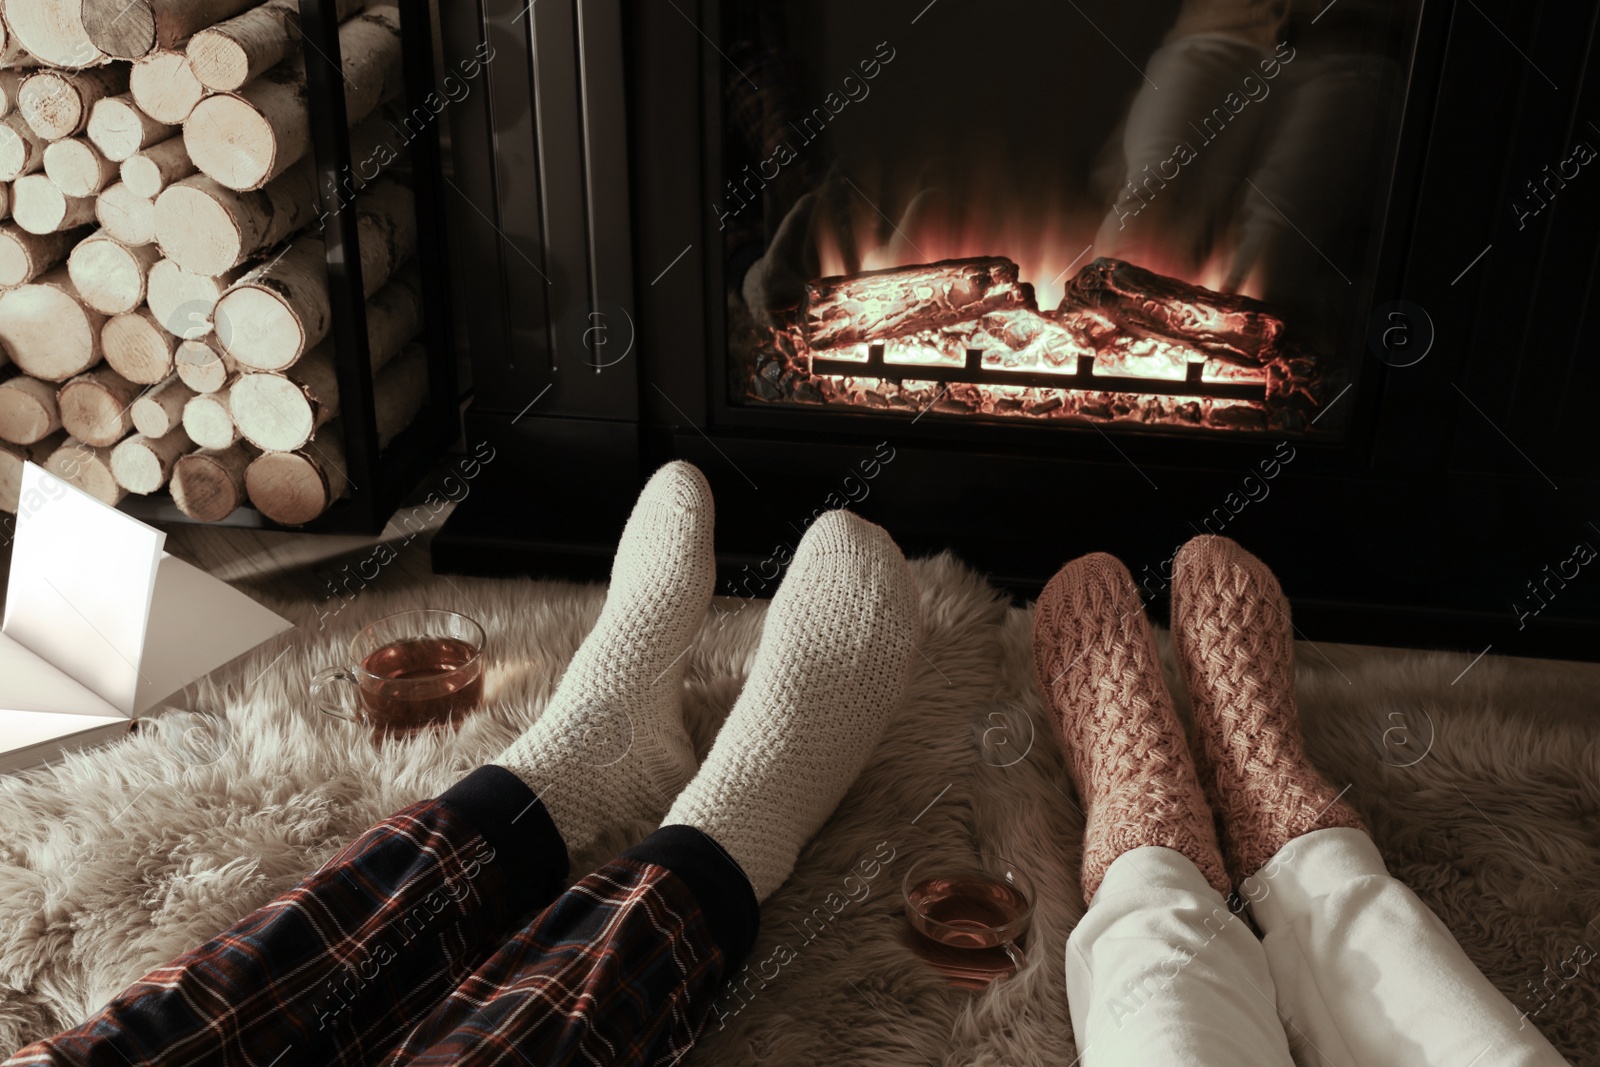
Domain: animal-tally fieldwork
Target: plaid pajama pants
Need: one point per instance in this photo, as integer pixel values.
(414, 946)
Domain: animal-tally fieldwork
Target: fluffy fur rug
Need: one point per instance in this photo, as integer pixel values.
(1482, 793)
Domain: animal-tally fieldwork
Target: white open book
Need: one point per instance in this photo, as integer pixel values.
(101, 626)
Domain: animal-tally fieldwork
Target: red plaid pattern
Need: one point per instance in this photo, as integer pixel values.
(412, 947)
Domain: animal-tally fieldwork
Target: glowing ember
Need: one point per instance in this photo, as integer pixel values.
(1127, 320)
(1125, 343)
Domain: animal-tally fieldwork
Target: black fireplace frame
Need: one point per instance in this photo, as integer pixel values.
(1463, 479)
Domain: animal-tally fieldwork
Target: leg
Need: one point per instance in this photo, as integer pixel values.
(341, 963)
(626, 966)
(1366, 974)
(347, 961)
(1159, 970)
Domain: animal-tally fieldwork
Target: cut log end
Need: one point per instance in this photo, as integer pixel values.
(129, 218)
(122, 28)
(220, 62)
(47, 330)
(138, 348)
(259, 328)
(24, 256)
(160, 410)
(232, 142)
(94, 407)
(164, 87)
(197, 231)
(208, 421)
(88, 468)
(273, 412)
(202, 368)
(38, 206)
(209, 485)
(77, 167)
(28, 410)
(142, 464)
(109, 275)
(293, 488)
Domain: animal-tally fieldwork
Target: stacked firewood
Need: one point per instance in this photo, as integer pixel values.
(164, 305)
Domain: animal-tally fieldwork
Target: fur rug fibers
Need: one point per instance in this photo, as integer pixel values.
(1482, 794)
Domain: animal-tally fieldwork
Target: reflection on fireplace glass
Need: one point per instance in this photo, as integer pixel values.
(1155, 214)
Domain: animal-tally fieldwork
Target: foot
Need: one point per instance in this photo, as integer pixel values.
(830, 669)
(611, 747)
(1096, 661)
(1230, 622)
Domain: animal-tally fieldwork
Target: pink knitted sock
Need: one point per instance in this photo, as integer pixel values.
(1231, 624)
(1097, 665)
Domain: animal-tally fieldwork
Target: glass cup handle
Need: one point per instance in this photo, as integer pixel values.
(1018, 960)
(327, 699)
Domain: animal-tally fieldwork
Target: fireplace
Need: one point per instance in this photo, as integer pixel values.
(1023, 280)
(1156, 245)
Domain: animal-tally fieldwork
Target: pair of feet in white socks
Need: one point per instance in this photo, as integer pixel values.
(611, 746)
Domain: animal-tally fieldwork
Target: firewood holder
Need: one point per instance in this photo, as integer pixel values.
(378, 479)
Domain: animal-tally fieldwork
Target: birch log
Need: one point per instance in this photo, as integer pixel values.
(119, 128)
(47, 330)
(38, 206)
(202, 367)
(94, 406)
(233, 52)
(164, 87)
(142, 464)
(281, 411)
(245, 139)
(207, 228)
(292, 488)
(21, 150)
(152, 169)
(10, 82)
(52, 31)
(12, 458)
(28, 410)
(138, 348)
(272, 315)
(56, 103)
(208, 419)
(77, 167)
(24, 256)
(159, 410)
(12, 55)
(126, 216)
(208, 485)
(109, 275)
(183, 301)
(88, 467)
(129, 29)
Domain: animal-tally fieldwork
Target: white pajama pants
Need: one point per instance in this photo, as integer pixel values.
(1353, 970)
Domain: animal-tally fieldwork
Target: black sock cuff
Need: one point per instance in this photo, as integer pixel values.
(718, 883)
(515, 822)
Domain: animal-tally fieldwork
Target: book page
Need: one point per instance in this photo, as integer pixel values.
(197, 623)
(38, 703)
(82, 574)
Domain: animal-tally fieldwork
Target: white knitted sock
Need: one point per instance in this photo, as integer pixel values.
(830, 669)
(610, 746)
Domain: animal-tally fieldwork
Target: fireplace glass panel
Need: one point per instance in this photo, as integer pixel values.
(1159, 215)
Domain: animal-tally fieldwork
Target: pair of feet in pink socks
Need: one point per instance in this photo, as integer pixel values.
(1096, 662)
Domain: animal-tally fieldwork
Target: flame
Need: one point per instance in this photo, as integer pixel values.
(1049, 242)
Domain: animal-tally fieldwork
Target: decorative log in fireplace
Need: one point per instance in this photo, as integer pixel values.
(981, 326)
